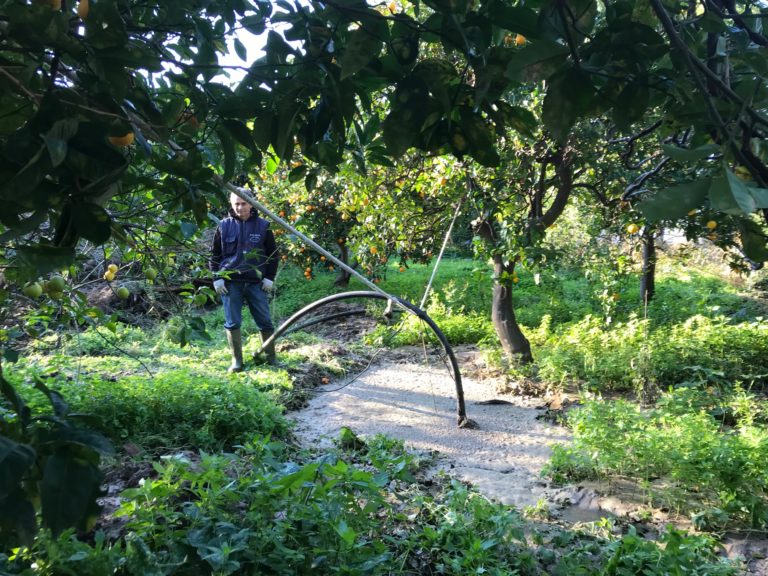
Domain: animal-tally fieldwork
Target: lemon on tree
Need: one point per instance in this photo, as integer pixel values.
(32, 290)
(633, 228)
(109, 276)
(55, 284)
(112, 268)
(150, 273)
(123, 292)
(711, 224)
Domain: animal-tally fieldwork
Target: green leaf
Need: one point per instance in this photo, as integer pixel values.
(44, 258)
(398, 134)
(17, 511)
(230, 155)
(254, 24)
(240, 132)
(362, 47)
(632, 104)
(15, 460)
(24, 226)
(16, 402)
(346, 533)
(514, 18)
(685, 155)
(57, 137)
(188, 229)
(570, 95)
(91, 222)
(480, 139)
(721, 198)
(240, 50)
(536, 61)
(754, 243)
(760, 195)
(297, 173)
(60, 407)
(676, 202)
(521, 119)
(730, 195)
(68, 491)
(245, 106)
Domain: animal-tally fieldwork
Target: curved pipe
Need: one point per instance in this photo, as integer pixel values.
(461, 413)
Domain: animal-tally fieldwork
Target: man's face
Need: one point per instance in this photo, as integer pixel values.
(241, 208)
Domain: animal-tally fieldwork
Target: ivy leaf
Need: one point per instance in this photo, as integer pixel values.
(675, 202)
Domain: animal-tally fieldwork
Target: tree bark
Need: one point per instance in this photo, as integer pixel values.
(648, 276)
(342, 278)
(514, 343)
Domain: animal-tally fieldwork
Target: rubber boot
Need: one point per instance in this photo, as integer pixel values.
(269, 351)
(235, 340)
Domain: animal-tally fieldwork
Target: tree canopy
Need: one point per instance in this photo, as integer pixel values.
(103, 98)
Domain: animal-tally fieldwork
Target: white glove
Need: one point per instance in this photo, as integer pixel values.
(267, 285)
(220, 286)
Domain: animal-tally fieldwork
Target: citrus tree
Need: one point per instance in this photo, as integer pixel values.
(99, 99)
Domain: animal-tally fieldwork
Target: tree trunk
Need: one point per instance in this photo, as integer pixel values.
(342, 277)
(513, 341)
(648, 277)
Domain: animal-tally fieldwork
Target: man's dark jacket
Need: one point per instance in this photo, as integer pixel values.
(247, 247)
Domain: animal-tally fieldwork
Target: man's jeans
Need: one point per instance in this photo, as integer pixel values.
(257, 303)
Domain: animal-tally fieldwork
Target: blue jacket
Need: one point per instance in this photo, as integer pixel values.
(247, 247)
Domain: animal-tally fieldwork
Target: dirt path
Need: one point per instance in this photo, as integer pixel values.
(416, 403)
(502, 458)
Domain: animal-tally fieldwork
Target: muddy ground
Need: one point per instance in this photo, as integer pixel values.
(408, 394)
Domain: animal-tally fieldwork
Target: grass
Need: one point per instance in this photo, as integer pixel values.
(239, 500)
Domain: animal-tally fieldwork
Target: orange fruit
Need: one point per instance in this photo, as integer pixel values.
(126, 139)
(520, 40)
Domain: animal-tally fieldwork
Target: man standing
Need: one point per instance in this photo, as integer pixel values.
(244, 251)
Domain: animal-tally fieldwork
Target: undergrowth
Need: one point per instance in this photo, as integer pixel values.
(263, 511)
(681, 451)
